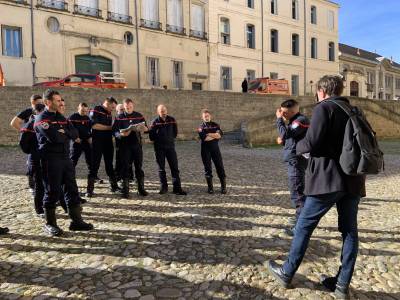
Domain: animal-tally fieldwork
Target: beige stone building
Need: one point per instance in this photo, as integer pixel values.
(174, 44)
(369, 74)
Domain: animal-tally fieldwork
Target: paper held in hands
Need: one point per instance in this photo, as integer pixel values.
(139, 127)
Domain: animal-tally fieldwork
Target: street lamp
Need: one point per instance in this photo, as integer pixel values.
(33, 60)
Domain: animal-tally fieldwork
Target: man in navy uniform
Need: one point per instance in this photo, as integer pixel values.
(81, 121)
(28, 143)
(54, 133)
(289, 136)
(130, 146)
(162, 133)
(102, 142)
(210, 133)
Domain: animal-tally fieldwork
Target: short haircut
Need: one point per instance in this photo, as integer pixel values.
(332, 85)
(49, 94)
(36, 97)
(127, 100)
(39, 108)
(83, 104)
(111, 100)
(205, 111)
(290, 103)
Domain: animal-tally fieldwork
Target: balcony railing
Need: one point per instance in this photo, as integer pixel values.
(111, 16)
(150, 24)
(53, 4)
(198, 34)
(87, 11)
(176, 29)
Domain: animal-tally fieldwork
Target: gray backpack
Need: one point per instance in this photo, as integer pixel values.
(360, 153)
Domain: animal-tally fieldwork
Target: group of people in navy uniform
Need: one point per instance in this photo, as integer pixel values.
(54, 145)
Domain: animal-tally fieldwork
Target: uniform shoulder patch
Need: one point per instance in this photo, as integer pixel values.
(45, 125)
(295, 125)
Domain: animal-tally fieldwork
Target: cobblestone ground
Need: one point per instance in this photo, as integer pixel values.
(193, 247)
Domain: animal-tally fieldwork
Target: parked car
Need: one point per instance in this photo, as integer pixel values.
(2, 79)
(269, 86)
(104, 80)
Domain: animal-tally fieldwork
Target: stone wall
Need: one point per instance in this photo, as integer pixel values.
(231, 110)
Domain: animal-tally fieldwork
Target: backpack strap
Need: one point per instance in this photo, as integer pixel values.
(347, 108)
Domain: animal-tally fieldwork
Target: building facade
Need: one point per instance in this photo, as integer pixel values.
(174, 44)
(368, 74)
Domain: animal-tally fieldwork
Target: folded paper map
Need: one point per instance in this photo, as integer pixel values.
(135, 127)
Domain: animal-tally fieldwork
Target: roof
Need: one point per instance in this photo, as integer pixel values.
(373, 57)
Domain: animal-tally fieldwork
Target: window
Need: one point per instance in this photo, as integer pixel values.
(128, 38)
(197, 86)
(119, 7)
(226, 78)
(370, 81)
(53, 25)
(295, 85)
(250, 36)
(197, 21)
(388, 81)
(398, 83)
(274, 40)
(11, 41)
(331, 51)
(89, 78)
(250, 3)
(225, 31)
(177, 76)
(175, 14)
(74, 79)
(153, 72)
(150, 13)
(295, 9)
(331, 20)
(250, 75)
(313, 14)
(274, 7)
(295, 44)
(314, 48)
(273, 75)
(88, 8)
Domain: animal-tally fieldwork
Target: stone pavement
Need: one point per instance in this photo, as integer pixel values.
(193, 247)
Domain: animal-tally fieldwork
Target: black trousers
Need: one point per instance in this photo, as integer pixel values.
(58, 171)
(296, 176)
(118, 165)
(102, 145)
(168, 153)
(36, 172)
(131, 155)
(210, 152)
(76, 152)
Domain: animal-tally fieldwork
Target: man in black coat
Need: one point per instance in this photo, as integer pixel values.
(326, 186)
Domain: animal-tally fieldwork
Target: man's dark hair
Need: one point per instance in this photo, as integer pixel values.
(35, 97)
(290, 103)
(39, 108)
(83, 104)
(332, 85)
(49, 94)
(127, 100)
(111, 100)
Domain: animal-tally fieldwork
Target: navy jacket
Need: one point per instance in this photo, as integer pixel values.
(50, 140)
(324, 141)
(208, 127)
(291, 134)
(28, 141)
(163, 133)
(25, 114)
(82, 124)
(123, 121)
(99, 115)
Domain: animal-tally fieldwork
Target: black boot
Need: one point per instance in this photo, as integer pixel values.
(63, 204)
(125, 188)
(163, 189)
(90, 187)
(51, 227)
(140, 187)
(114, 185)
(210, 185)
(223, 185)
(179, 191)
(4, 230)
(38, 201)
(77, 223)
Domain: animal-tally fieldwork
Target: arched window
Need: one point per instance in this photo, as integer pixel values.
(313, 14)
(295, 44)
(331, 51)
(274, 40)
(250, 35)
(225, 31)
(314, 48)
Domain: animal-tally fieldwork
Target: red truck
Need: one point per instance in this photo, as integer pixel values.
(269, 86)
(104, 80)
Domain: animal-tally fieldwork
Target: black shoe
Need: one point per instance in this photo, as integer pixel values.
(328, 282)
(114, 188)
(82, 200)
(276, 271)
(210, 187)
(342, 291)
(90, 187)
(77, 223)
(98, 180)
(125, 188)
(163, 190)
(140, 187)
(4, 230)
(179, 192)
(51, 226)
(223, 185)
(289, 231)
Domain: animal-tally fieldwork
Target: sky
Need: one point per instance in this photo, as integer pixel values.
(371, 25)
